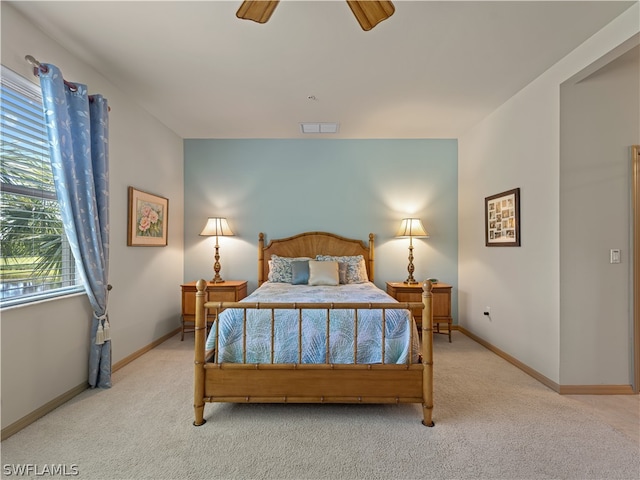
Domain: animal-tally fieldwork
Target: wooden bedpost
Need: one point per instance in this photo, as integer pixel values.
(371, 257)
(427, 354)
(261, 278)
(198, 377)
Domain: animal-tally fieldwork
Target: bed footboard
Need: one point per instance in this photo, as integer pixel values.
(314, 383)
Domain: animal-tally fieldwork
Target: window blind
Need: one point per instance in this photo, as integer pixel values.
(36, 260)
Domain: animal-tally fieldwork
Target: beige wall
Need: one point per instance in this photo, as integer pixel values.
(44, 347)
(519, 146)
(600, 120)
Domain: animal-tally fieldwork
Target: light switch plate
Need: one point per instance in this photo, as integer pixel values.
(614, 255)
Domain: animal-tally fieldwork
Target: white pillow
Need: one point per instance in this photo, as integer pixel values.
(323, 273)
(356, 266)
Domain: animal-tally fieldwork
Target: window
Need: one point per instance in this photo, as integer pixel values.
(36, 260)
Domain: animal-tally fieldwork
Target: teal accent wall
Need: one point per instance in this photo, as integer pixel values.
(348, 187)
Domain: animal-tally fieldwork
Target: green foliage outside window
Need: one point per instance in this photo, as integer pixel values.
(35, 256)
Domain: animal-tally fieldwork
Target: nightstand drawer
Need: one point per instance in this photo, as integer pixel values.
(222, 296)
(441, 301)
(403, 296)
(228, 291)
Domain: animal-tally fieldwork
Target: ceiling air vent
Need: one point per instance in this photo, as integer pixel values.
(315, 127)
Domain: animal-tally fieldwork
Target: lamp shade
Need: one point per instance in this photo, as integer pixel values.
(217, 226)
(412, 227)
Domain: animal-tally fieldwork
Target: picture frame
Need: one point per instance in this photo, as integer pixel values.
(502, 219)
(148, 219)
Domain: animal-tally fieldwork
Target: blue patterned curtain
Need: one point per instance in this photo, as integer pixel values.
(78, 131)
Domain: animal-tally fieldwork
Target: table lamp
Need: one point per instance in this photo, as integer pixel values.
(218, 227)
(411, 227)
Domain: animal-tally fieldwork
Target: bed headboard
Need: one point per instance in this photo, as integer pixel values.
(310, 244)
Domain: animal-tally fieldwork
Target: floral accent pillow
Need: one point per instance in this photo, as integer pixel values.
(356, 266)
(280, 268)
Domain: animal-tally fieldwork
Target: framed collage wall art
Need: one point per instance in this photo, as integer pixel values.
(502, 219)
(148, 219)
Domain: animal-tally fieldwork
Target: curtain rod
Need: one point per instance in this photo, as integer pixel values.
(39, 67)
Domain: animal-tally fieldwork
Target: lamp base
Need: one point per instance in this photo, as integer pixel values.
(410, 268)
(216, 268)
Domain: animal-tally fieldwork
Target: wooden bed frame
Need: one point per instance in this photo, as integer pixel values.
(313, 383)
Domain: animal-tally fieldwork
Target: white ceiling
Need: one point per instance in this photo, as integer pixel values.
(432, 70)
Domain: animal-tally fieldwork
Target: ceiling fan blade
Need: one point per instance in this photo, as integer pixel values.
(258, 11)
(369, 13)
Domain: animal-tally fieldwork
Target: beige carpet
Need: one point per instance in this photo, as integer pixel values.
(492, 422)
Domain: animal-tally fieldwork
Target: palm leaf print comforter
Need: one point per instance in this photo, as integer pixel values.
(398, 328)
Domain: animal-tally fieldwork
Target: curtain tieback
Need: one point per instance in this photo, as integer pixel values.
(103, 333)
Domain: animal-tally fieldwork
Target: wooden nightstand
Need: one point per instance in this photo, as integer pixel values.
(228, 291)
(404, 292)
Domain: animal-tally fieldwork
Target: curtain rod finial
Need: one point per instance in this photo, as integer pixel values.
(32, 60)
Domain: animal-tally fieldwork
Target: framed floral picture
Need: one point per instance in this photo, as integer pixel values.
(502, 219)
(148, 219)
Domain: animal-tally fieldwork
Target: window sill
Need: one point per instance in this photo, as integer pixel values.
(42, 298)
